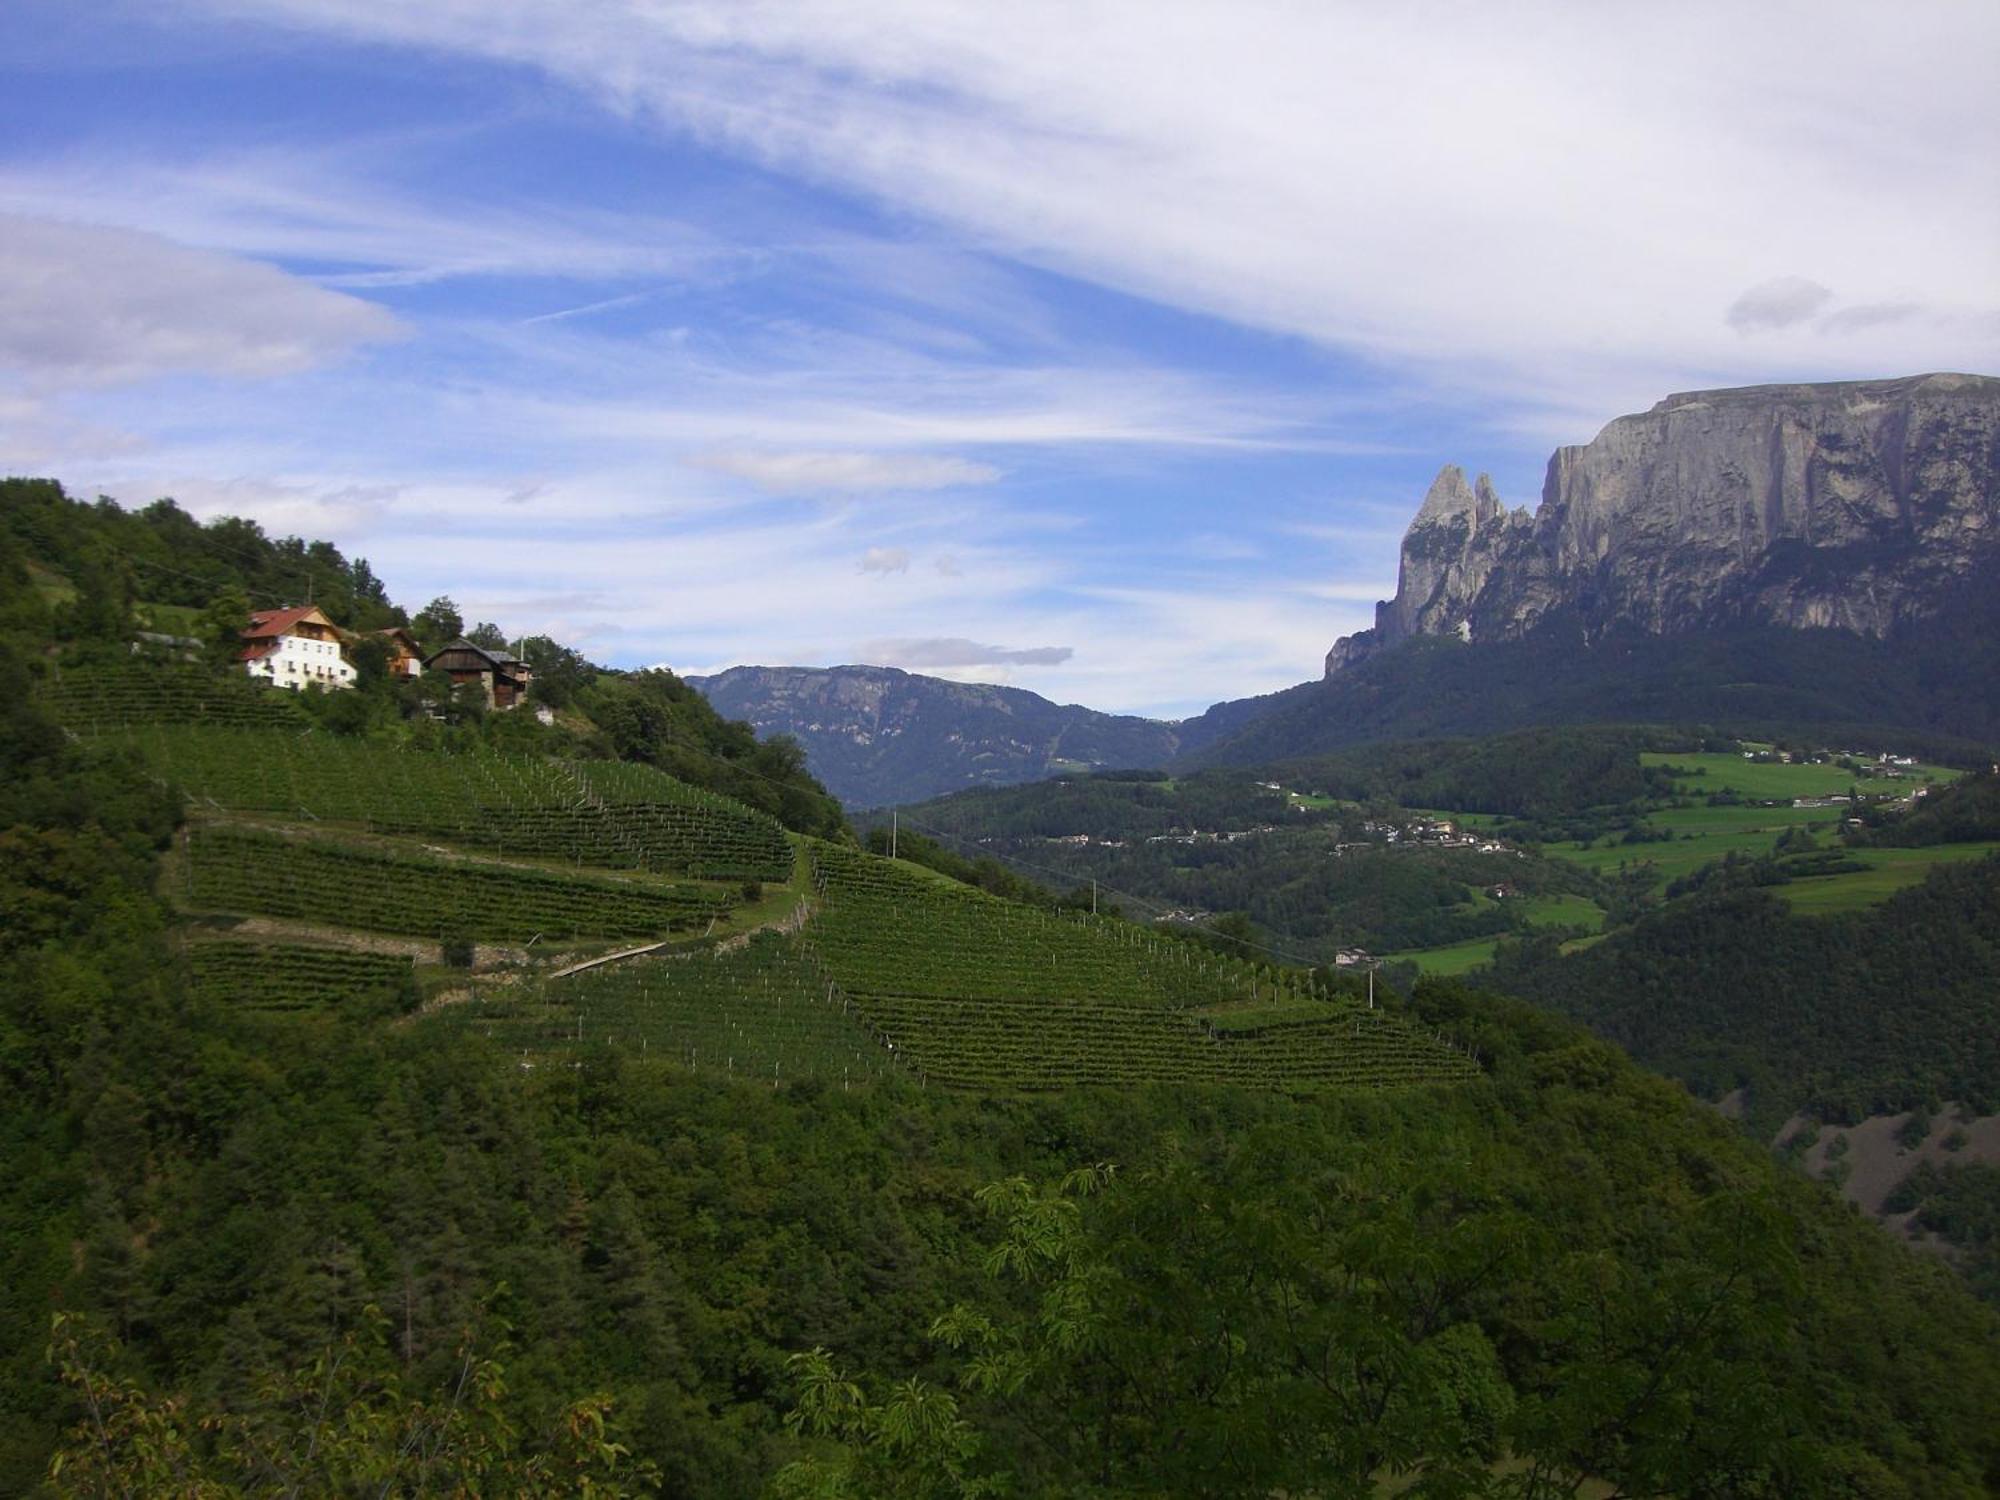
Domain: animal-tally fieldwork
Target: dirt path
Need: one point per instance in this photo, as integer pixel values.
(386, 843)
(422, 950)
(787, 922)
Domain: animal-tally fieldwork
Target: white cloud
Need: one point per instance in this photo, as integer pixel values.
(884, 560)
(932, 652)
(1778, 303)
(796, 473)
(1506, 196)
(82, 305)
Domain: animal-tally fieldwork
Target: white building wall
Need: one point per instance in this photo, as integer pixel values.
(300, 662)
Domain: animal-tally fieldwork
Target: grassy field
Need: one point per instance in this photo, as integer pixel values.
(1707, 820)
(1565, 911)
(1669, 860)
(1453, 958)
(1542, 911)
(1701, 834)
(1752, 779)
(1889, 871)
(168, 619)
(51, 585)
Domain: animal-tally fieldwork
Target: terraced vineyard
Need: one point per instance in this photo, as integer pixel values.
(763, 1010)
(1040, 1044)
(886, 930)
(289, 979)
(321, 879)
(979, 993)
(100, 700)
(619, 816)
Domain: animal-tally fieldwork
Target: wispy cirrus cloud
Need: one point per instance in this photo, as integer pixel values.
(329, 208)
(1423, 185)
(825, 473)
(934, 652)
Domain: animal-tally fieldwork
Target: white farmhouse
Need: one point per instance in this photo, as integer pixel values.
(296, 648)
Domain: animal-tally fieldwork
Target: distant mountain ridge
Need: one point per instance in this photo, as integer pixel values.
(1860, 506)
(1770, 557)
(878, 735)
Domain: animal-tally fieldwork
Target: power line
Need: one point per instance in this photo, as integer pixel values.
(160, 567)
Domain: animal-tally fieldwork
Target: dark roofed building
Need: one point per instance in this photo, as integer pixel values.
(504, 676)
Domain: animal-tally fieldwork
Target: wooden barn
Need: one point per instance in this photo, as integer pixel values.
(504, 676)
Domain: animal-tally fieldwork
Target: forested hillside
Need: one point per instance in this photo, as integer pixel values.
(440, 1221)
(1928, 684)
(1842, 1016)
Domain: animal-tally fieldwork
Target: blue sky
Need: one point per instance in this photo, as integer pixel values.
(1100, 348)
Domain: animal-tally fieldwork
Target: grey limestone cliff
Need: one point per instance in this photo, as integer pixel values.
(1861, 505)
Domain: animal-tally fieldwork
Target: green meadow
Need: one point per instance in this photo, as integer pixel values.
(1453, 958)
(1701, 834)
(1889, 871)
(1542, 911)
(1748, 778)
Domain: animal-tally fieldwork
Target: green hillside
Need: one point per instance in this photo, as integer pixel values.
(97, 699)
(1844, 1015)
(382, 889)
(288, 978)
(884, 1179)
(981, 993)
(757, 1010)
(599, 813)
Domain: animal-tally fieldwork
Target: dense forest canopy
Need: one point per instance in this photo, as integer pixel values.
(1848, 1015)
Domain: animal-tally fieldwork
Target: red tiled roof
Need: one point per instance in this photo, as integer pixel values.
(275, 622)
(252, 653)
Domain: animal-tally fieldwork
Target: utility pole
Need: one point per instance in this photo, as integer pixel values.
(895, 820)
(1093, 898)
(1371, 986)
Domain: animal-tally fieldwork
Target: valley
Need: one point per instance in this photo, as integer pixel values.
(1097, 751)
(549, 1015)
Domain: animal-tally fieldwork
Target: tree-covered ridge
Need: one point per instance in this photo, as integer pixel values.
(1965, 812)
(1960, 1202)
(1532, 775)
(1843, 1016)
(1930, 684)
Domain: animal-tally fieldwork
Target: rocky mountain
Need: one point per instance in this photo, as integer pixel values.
(879, 735)
(1775, 557)
(1861, 507)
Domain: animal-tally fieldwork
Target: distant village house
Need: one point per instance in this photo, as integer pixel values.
(296, 648)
